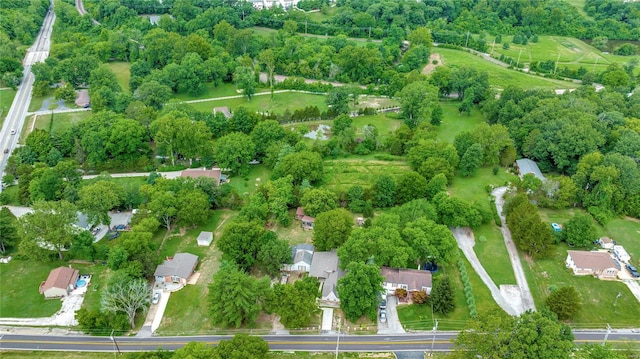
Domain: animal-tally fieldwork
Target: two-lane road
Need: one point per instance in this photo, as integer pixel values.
(442, 341)
(10, 133)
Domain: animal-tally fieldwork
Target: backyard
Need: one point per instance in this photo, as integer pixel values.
(58, 123)
(280, 103)
(342, 173)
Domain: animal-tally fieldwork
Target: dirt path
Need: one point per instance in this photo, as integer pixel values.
(430, 66)
(464, 237)
(521, 279)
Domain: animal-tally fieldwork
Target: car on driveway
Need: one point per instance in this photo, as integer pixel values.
(113, 235)
(383, 316)
(633, 271)
(383, 304)
(156, 298)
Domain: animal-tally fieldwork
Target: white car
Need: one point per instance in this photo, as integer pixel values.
(156, 298)
(13, 131)
(383, 316)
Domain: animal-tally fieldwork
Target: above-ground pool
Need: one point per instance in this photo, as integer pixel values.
(81, 283)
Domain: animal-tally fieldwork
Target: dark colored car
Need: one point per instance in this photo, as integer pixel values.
(113, 235)
(6, 150)
(633, 271)
(383, 304)
(120, 227)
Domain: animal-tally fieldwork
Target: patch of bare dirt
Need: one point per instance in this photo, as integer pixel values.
(430, 66)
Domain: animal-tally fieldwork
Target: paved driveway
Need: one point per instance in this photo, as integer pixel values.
(393, 325)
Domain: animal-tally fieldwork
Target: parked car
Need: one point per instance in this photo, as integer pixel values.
(120, 227)
(113, 235)
(6, 150)
(383, 304)
(633, 271)
(383, 316)
(156, 298)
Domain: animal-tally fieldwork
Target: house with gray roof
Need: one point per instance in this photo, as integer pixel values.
(176, 269)
(301, 255)
(326, 267)
(526, 166)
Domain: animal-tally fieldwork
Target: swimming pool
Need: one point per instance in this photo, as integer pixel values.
(80, 283)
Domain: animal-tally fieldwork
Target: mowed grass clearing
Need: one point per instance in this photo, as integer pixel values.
(257, 175)
(264, 103)
(454, 122)
(419, 317)
(493, 255)
(20, 282)
(213, 91)
(499, 77)
(59, 123)
(598, 297)
(123, 73)
(340, 174)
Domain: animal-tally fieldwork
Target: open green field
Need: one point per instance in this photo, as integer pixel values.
(493, 255)
(280, 102)
(598, 297)
(419, 317)
(499, 77)
(568, 51)
(340, 174)
(246, 185)
(213, 91)
(6, 99)
(472, 189)
(123, 73)
(59, 123)
(454, 122)
(99, 278)
(20, 282)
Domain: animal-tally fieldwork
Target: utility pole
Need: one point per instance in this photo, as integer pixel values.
(433, 341)
(596, 63)
(338, 337)
(115, 345)
(556, 67)
(606, 336)
(518, 62)
(467, 42)
(493, 46)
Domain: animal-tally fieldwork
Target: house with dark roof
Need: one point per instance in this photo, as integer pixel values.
(301, 255)
(60, 282)
(411, 280)
(326, 267)
(598, 264)
(214, 173)
(177, 269)
(526, 166)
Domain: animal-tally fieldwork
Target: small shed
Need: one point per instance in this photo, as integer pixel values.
(360, 221)
(299, 213)
(526, 166)
(606, 242)
(621, 253)
(223, 110)
(82, 99)
(307, 222)
(205, 238)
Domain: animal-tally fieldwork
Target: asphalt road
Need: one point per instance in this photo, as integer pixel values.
(312, 343)
(15, 117)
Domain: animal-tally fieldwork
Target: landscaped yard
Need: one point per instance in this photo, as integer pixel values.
(599, 304)
(474, 189)
(418, 317)
(59, 123)
(340, 174)
(294, 234)
(280, 102)
(500, 77)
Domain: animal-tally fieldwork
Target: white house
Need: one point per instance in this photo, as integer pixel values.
(621, 254)
(302, 256)
(597, 264)
(606, 242)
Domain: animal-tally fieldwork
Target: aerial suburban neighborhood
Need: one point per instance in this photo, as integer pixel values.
(320, 179)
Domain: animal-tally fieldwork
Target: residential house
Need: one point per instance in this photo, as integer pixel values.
(223, 110)
(597, 264)
(82, 99)
(526, 166)
(606, 242)
(302, 255)
(82, 222)
(214, 173)
(326, 267)
(621, 253)
(268, 4)
(60, 282)
(205, 238)
(411, 280)
(176, 270)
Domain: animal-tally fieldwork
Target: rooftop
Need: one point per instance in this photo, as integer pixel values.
(60, 277)
(526, 166)
(414, 279)
(181, 265)
(593, 260)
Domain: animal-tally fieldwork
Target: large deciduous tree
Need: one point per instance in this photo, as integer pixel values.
(128, 297)
(48, 227)
(338, 100)
(303, 165)
(8, 230)
(580, 231)
(529, 232)
(359, 291)
(273, 253)
(242, 346)
(417, 101)
(241, 241)
(565, 302)
(97, 199)
(331, 229)
(296, 304)
(318, 200)
(235, 298)
(430, 241)
(234, 151)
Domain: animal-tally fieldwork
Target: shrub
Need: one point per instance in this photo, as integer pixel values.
(400, 293)
(420, 297)
(506, 46)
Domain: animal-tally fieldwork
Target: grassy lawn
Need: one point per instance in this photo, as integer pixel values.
(346, 172)
(419, 317)
(493, 254)
(294, 234)
(6, 99)
(12, 194)
(61, 122)
(36, 101)
(383, 123)
(279, 104)
(186, 309)
(246, 185)
(213, 91)
(20, 281)
(597, 296)
(99, 278)
(123, 73)
(453, 122)
(500, 77)
(473, 188)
